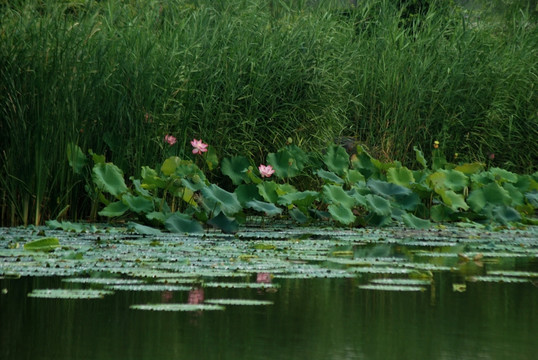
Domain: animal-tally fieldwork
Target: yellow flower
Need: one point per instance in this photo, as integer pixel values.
(436, 144)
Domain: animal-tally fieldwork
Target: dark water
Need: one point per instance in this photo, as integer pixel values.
(310, 319)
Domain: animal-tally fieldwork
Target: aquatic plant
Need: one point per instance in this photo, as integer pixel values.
(352, 191)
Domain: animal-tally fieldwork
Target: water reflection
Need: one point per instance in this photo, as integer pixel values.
(310, 319)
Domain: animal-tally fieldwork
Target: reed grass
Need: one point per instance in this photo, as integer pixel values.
(116, 76)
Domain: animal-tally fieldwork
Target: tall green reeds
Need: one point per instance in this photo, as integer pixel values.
(117, 76)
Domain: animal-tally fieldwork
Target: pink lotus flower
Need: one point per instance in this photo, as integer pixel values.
(266, 171)
(263, 278)
(199, 146)
(170, 139)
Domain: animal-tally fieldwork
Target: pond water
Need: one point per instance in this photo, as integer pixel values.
(272, 294)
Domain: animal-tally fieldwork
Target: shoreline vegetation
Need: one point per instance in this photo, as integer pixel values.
(251, 77)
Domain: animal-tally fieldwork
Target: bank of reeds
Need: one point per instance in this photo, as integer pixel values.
(117, 76)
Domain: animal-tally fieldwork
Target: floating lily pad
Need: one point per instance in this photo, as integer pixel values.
(177, 307)
(150, 287)
(248, 302)
(496, 279)
(104, 281)
(402, 282)
(241, 285)
(380, 270)
(380, 287)
(510, 273)
(69, 294)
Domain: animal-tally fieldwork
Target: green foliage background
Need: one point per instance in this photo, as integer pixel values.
(116, 76)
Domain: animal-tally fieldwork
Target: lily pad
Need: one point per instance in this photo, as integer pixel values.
(248, 302)
(149, 287)
(241, 285)
(380, 287)
(177, 307)
(45, 244)
(401, 282)
(69, 294)
(496, 279)
(103, 281)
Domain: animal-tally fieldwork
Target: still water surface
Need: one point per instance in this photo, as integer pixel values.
(480, 300)
(310, 319)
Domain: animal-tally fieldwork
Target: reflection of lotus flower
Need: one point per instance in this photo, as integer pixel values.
(170, 139)
(196, 296)
(266, 171)
(199, 146)
(264, 278)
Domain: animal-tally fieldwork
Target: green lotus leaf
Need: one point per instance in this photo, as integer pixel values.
(337, 159)
(138, 204)
(287, 162)
(414, 222)
(532, 198)
(501, 175)
(67, 226)
(246, 193)
(448, 179)
(400, 176)
(341, 213)
(441, 213)
(408, 202)
(363, 162)
(353, 176)
(143, 229)
(329, 176)
(420, 157)
(517, 197)
(114, 209)
(224, 223)
(337, 195)
(298, 215)
(267, 190)
(211, 158)
(438, 160)
(387, 189)
(139, 189)
(470, 168)
(453, 200)
(491, 193)
(151, 180)
(378, 205)
(228, 201)
(187, 169)
(181, 223)
(170, 165)
(302, 199)
(75, 156)
(235, 168)
(158, 216)
(506, 214)
(45, 244)
(97, 159)
(109, 178)
(268, 208)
